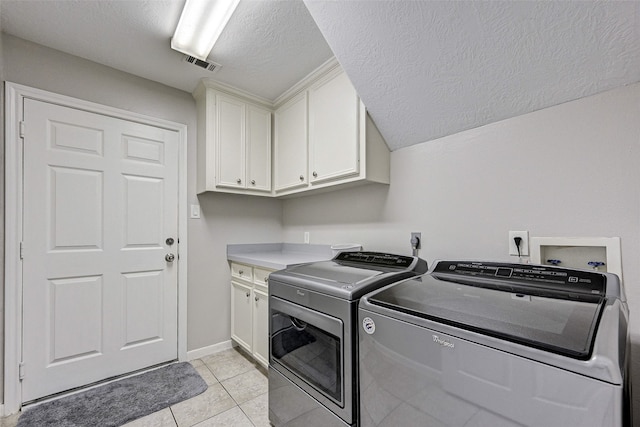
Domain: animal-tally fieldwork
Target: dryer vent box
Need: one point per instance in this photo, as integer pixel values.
(584, 253)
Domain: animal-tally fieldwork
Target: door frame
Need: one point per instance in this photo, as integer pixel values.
(14, 96)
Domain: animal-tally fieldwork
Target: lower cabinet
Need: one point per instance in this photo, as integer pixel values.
(250, 310)
(261, 324)
(241, 315)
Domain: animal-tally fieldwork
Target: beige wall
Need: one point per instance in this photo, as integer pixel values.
(569, 170)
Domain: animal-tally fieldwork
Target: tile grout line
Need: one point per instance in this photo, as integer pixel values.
(237, 405)
(254, 365)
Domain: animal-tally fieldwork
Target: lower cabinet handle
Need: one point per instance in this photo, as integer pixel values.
(256, 298)
(248, 294)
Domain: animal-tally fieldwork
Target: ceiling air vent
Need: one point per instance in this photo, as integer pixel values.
(211, 66)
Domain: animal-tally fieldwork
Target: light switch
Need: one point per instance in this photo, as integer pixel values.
(195, 211)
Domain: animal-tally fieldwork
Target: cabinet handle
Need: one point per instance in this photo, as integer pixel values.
(239, 181)
(253, 182)
(241, 272)
(315, 174)
(248, 294)
(301, 178)
(257, 299)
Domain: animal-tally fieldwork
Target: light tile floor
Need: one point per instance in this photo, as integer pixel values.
(237, 396)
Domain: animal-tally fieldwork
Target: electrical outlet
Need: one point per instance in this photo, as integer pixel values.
(306, 237)
(524, 244)
(416, 240)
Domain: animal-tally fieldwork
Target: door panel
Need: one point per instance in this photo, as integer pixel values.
(290, 148)
(261, 325)
(75, 329)
(83, 230)
(241, 320)
(259, 146)
(100, 199)
(333, 129)
(143, 212)
(231, 148)
(143, 306)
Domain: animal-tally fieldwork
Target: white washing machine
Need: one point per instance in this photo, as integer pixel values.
(490, 344)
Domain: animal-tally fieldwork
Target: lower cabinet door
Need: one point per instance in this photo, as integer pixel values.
(241, 315)
(261, 325)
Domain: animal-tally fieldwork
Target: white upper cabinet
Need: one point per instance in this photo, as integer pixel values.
(336, 143)
(259, 149)
(333, 128)
(322, 137)
(230, 142)
(290, 146)
(234, 143)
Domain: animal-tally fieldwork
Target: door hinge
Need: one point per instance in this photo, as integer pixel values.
(21, 250)
(21, 129)
(21, 371)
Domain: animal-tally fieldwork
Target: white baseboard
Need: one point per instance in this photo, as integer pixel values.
(206, 351)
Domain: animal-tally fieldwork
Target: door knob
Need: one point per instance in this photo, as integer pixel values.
(169, 257)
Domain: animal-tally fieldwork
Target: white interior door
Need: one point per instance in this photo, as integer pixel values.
(100, 202)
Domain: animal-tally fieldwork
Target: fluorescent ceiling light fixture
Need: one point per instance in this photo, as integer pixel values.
(200, 25)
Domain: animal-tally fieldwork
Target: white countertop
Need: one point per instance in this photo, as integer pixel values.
(277, 256)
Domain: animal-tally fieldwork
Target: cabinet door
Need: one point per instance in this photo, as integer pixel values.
(241, 309)
(261, 325)
(258, 149)
(291, 144)
(333, 129)
(230, 136)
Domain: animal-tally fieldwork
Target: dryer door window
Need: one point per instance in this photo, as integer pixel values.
(308, 344)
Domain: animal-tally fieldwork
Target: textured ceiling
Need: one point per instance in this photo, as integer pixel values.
(424, 69)
(265, 49)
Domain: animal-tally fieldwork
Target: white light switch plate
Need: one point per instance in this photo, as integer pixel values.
(195, 211)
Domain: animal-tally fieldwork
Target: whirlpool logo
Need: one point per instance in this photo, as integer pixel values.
(443, 342)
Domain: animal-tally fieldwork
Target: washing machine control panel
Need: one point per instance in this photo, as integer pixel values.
(539, 276)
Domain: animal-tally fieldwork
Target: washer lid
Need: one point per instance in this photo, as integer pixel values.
(560, 325)
(351, 274)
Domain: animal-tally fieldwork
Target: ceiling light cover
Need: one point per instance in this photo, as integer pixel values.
(200, 25)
